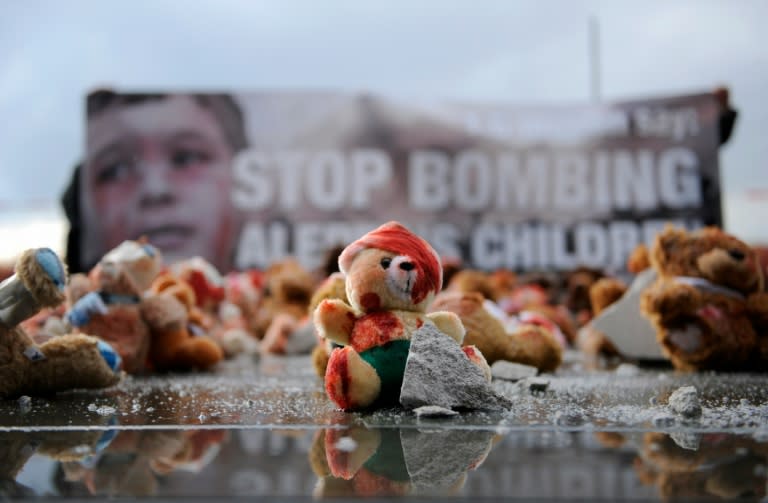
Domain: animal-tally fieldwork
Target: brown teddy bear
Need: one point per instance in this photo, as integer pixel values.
(708, 304)
(62, 363)
(471, 280)
(177, 328)
(288, 288)
(526, 343)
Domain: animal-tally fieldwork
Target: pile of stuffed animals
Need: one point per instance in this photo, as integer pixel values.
(705, 301)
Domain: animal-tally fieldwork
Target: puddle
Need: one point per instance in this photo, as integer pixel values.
(384, 462)
(267, 430)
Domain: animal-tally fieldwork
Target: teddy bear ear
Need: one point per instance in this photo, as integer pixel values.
(665, 243)
(348, 255)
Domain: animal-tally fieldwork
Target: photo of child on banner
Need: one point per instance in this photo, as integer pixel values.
(157, 165)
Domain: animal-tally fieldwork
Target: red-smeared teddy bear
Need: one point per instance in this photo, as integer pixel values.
(392, 275)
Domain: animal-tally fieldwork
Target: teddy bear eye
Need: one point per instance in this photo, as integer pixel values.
(385, 262)
(736, 254)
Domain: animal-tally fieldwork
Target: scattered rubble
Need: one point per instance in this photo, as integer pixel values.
(533, 384)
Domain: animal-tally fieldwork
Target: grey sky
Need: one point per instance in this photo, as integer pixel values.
(52, 52)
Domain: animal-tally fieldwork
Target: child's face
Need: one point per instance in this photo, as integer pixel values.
(161, 169)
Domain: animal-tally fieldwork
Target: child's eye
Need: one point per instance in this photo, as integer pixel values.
(385, 262)
(185, 157)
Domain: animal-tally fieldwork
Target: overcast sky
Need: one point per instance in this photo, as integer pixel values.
(52, 52)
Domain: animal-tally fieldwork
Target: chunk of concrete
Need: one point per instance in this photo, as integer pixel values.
(437, 372)
(685, 402)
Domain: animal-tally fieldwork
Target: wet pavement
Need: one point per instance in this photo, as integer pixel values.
(266, 430)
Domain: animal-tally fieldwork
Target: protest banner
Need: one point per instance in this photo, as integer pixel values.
(247, 179)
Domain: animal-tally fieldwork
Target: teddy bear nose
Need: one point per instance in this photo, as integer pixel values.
(736, 254)
(406, 266)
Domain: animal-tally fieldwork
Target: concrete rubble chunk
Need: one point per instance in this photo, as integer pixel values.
(510, 371)
(685, 402)
(437, 372)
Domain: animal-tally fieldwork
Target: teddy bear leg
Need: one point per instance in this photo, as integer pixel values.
(70, 362)
(533, 345)
(345, 464)
(198, 353)
(350, 381)
(685, 341)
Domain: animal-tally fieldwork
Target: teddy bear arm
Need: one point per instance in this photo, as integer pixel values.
(334, 320)
(669, 300)
(449, 323)
(72, 361)
(605, 292)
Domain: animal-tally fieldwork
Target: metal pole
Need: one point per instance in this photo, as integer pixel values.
(595, 69)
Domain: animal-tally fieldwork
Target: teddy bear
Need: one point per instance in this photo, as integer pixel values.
(107, 302)
(287, 290)
(204, 279)
(177, 327)
(149, 317)
(62, 363)
(576, 286)
(472, 280)
(391, 276)
(529, 341)
(708, 304)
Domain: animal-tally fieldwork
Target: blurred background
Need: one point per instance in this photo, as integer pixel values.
(522, 52)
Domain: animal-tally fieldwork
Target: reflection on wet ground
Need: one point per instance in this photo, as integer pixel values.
(268, 431)
(366, 462)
